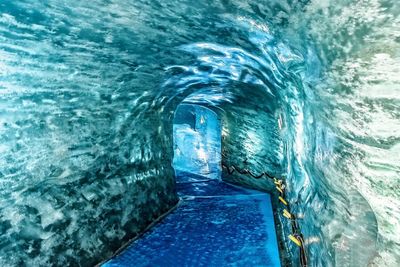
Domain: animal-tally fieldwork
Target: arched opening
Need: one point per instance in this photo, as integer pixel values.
(197, 141)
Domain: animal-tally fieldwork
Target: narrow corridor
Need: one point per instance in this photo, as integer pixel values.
(215, 224)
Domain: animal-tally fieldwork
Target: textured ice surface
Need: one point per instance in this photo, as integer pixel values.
(197, 141)
(88, 91)
(221, 226)
(252, 140)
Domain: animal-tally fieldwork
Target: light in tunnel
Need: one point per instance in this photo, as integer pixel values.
(202, 120)
(201, 154)
(280, 122)
(197, 141)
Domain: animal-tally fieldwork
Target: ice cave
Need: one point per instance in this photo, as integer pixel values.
(200, 133)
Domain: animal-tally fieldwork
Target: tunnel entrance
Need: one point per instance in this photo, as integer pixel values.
(197, 141)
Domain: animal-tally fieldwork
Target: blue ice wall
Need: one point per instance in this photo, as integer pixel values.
(197, 141)
(86, 148)
(252, 139)
(88, 91)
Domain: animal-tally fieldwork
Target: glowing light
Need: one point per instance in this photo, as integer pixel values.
(202, 154)
(202, 120)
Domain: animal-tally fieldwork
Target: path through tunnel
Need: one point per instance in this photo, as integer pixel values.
(221, 218)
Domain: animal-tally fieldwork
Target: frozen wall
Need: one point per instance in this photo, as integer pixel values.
(252, 138)
(85, 161)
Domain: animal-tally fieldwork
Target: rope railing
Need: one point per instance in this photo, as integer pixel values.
(232, 169)
(296, 237)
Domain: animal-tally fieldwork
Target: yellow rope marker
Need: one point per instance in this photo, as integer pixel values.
(277, 182)
(282, 200)
(279, 189)
(287, 214)
(295, 240)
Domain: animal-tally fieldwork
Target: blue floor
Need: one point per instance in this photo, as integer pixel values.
(216, 224)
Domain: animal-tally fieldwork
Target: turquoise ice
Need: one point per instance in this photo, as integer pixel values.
(307, 90)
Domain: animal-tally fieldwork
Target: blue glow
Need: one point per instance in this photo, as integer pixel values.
(304, 90)
(197, 141)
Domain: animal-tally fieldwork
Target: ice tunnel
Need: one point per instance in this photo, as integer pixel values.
(199, 133)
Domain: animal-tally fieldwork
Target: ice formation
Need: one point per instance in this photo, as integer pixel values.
(307, 90)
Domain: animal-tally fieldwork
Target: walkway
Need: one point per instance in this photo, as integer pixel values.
(216, 224)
